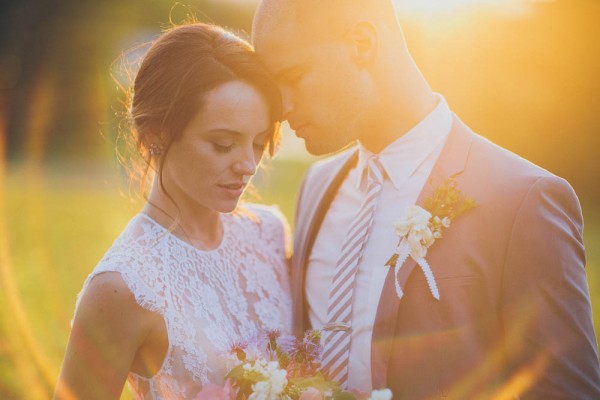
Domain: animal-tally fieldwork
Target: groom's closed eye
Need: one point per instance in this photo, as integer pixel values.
(290, 76)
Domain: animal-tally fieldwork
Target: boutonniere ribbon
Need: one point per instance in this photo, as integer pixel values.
(422, 226)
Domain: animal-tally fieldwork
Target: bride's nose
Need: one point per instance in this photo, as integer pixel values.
(246, 165)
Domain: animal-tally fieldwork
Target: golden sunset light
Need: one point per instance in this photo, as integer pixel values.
(522, 74)
(437, 7)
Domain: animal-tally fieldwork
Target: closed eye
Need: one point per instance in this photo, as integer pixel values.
(292, 80)
(222, 148)
(291, 77)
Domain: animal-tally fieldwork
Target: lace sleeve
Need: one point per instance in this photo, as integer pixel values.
(274, 227)
(146, 284)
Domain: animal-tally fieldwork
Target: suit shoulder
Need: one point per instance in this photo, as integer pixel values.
(507, 181)
(504, 161)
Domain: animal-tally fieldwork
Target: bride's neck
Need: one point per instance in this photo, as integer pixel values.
(195, 224)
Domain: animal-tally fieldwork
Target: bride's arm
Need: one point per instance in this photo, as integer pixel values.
(108, 329)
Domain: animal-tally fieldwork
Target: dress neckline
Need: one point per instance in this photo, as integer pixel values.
(221, 244)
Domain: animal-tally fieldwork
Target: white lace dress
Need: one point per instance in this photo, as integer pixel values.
(209, 300)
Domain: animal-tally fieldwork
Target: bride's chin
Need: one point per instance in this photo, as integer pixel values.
(228, 207)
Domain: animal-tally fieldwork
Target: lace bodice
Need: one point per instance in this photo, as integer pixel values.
(209, 300)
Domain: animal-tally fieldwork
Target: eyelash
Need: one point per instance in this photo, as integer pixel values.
(293, 79)
(222, 149)
(227, 149)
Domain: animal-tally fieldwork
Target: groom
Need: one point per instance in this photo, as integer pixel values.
(505, 311)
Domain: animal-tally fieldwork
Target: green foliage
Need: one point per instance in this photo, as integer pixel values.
(447, 201)
(244, 380)
(317, 381)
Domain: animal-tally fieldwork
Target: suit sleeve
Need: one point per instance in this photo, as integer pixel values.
(546, 312)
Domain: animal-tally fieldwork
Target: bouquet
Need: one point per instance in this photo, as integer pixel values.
(278, 367)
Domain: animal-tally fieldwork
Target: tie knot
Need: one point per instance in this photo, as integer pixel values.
(375, 170)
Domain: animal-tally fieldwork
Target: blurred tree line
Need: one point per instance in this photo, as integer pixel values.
(56, 60)
(528, 83)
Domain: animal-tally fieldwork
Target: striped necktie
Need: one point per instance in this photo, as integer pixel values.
(339, 312)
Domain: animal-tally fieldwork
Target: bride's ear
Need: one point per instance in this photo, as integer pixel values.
(153, 142)
(363, 39)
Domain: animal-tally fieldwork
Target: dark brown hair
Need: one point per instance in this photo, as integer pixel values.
(182, 65)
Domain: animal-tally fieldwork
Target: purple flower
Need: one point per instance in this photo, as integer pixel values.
(272, 337)
(312, 345)
(286, 343)
(306, 354)
(239, 350)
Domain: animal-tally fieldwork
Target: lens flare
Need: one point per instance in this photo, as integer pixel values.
(451, 6)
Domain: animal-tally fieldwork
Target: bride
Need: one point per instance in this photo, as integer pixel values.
(194, 272)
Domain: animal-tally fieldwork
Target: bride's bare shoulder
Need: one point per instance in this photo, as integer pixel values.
(108, 304)
(109, 328)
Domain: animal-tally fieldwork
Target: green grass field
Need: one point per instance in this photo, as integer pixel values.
(59, 224)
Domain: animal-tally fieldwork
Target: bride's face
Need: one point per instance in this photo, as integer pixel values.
(218, 152)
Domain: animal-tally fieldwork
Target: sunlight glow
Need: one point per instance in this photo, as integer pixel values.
(450, 6)
(29, 359)
(523, 379)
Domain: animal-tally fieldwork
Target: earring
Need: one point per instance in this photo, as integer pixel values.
(155, 149)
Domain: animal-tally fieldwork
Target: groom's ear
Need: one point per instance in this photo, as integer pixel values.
(363, 39)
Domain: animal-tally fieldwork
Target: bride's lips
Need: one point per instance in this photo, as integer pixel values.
(233, 190)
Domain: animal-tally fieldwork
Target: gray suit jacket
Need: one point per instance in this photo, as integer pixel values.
(514, 319)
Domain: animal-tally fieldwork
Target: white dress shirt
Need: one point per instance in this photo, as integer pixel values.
(407, 162)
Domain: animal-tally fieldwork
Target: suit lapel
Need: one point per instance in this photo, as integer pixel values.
(451, 163)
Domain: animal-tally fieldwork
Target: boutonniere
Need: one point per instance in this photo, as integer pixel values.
(422, 226)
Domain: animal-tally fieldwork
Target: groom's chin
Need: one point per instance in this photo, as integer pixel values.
(319, 148)
(314, 150)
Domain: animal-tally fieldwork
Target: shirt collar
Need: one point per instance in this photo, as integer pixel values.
(402, 158)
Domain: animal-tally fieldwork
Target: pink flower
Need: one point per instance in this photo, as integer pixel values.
(311, 394)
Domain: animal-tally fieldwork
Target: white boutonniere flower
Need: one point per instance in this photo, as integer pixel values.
(421, 227)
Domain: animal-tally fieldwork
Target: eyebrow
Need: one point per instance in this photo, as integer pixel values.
(234, 132)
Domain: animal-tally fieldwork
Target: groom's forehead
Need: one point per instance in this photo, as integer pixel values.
(291, 29)
(280, 54)
(283, 39)
(288, 19)
(270, 26)
(273, 16)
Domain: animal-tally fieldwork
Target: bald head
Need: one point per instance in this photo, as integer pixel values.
(316, 19)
